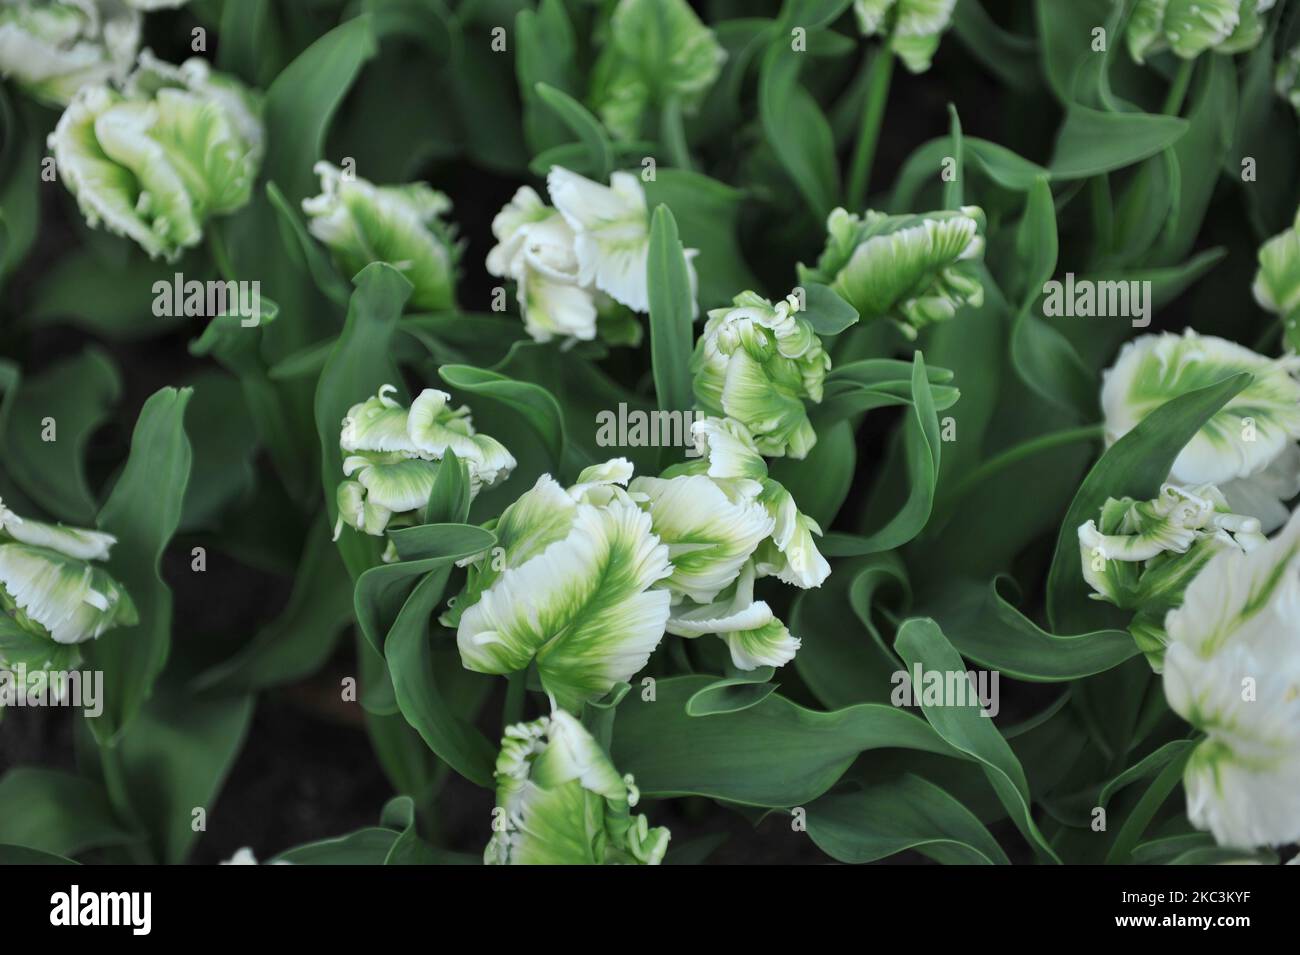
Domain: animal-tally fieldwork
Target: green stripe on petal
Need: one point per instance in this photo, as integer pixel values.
(1243, 438)
(709, 537)
(583, 607)
(402, 225)
(72, 600)
(560, 801)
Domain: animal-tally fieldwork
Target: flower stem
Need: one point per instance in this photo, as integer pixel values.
(512, 711)
(1178, 89)
(115, 784)
(881, 70)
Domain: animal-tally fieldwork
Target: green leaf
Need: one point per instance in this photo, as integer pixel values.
(56, 812)
(774, 753)
(358, 364)
(585, 126)
(305, 250)
(844, 664)
(921, 447)
(985, 628)
(74, 396)
(301, 103)
(1036, 242)
(410, 663)
(363, 847)
(143, 512)
(1091, 142)
(533, 403)
(706, 212)
(671, 306)
(544, 53)
(733, 693)
(828, 313)
(796, 129)
(1135, 466)
(904, 813)
(176, 757)
(922, 644)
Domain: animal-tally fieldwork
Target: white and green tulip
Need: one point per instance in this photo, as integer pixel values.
(1190, 27)
(758, 363)
(570, 588)
(402, 225)
(391, 457)
(1248, 449)
(656, 52)
(155, 161)
(1141, 555)
(913, 270)
(1277, 281)
(53, 593)
(727, 524)
(912, 28)
(1232, 670)
(560, 801)
(51, 50)
(579, 268)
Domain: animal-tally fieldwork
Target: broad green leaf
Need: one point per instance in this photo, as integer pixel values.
(904, 813)
(544, 53)
(143, 512)
(583, 125)
(733, 693)
(358, 365)
(921, 446)
(302, 248)
(301, 103)
(56, 812)
(1091, 142)
(774, 753)
(828, 313)
(533, 403)
(796, 128)
(363, 847)
(985, 628)
(671, 332)
(846, 661)
(176, 757)
(74, 397)
(922, 644)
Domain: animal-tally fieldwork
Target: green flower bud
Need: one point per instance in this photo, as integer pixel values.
(912, 269)
(1190, 27)
(656, 51)
(1141, 555)
(569, 587)
(52, 593)
(51, 50)
(912, 27)
(362, 223)
(757, 362)
(392, 455)
(155, 162)
(560, 801)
